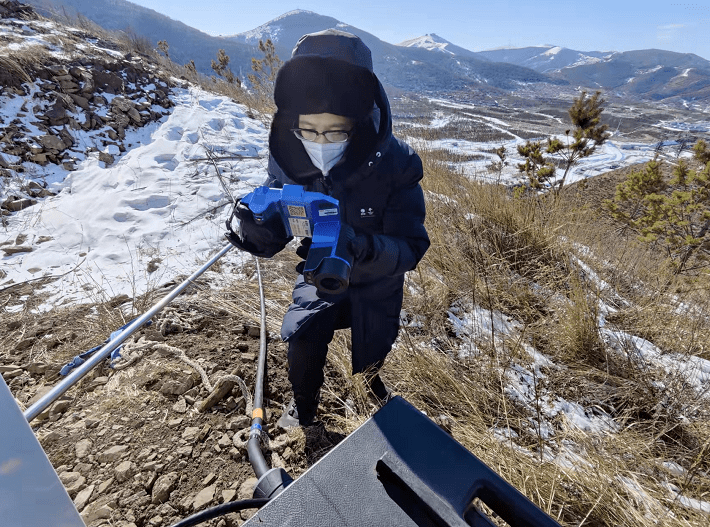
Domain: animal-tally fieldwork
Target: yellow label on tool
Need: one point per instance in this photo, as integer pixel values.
(296, 210)
(258, 412)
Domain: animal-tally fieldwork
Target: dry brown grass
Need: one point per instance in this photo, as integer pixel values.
(515, 255)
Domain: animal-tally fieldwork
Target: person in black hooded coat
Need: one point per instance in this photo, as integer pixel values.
(329, 83)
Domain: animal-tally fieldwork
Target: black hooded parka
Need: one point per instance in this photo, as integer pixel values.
(377, 186)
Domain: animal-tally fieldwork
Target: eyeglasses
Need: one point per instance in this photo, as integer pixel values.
(332, 136)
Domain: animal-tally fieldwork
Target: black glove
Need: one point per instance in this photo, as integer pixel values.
(359, 246)
(302, 251)
(260, 239)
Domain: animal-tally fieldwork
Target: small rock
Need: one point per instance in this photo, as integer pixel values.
(204, 497)
(107, 159)
(184, 451)
(67, 477)
(220, 391)
(124, 471)
(98, 381)
(60, 407)
(37, 368)
(105, 485)
(80, 101)
(83, 497)
(40, 159)
(190, 433)
(75, 486)
(224, 441)
(84, 468)
(51, 436)
(173, 423)
(147, 479)
(228, 495)
(177, 386)
(113, 454)
(133, 114)
(180, 406)
(122, 104)
(12, 374)
(91, 423)
(91, 514)
(52, 142)
(246, 489)
(155, 466)
(204, 433)
(16, 249)
(209, 479)
(83, 448)
(239, 423)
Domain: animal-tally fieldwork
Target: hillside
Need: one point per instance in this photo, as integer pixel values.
(550, 343)
(186, 43)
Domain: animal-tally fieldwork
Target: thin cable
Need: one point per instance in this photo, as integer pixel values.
(221, 510)
(256, 457)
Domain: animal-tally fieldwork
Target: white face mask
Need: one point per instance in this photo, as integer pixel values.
(324, 155)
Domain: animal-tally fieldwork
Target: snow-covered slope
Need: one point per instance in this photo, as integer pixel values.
(434, 42)
(156, 213)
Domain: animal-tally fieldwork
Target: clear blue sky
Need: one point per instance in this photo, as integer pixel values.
(601, 25)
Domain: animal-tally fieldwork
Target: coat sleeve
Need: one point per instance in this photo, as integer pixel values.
(404, 240)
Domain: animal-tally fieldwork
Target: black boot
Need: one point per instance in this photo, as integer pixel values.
(379, 389)
(301, 411)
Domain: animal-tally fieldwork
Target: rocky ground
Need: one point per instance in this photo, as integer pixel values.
(68, 103)
(148, 443)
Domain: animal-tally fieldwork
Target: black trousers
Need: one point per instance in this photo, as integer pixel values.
(307, 352)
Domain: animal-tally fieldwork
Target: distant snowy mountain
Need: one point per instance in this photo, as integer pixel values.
(434, 42)
(649, 74)
(288, 28)
(428, 63)
(652, 74)
(544, 58)
(406, 67)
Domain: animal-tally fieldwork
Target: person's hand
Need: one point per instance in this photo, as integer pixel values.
(260, 239)
(302, 251)
(359, 246)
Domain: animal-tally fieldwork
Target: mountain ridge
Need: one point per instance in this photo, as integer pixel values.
(428, 63)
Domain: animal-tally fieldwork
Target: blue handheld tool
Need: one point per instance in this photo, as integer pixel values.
(313, 214)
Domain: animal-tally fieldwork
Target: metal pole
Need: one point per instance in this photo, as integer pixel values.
(51, 396)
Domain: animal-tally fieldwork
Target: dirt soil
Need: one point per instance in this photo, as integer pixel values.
(131, 445)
